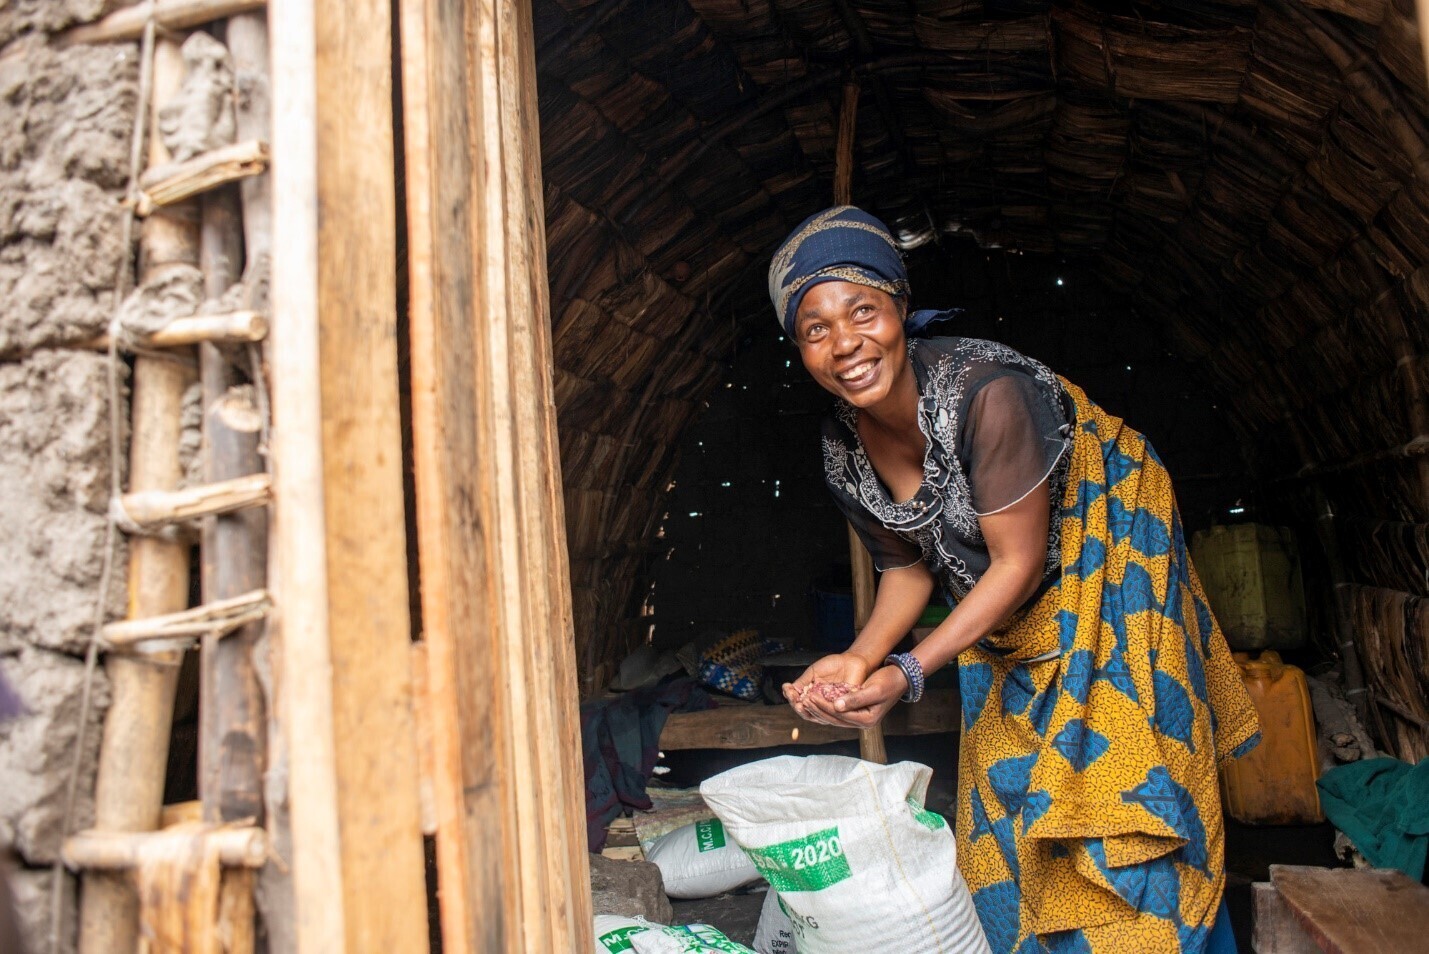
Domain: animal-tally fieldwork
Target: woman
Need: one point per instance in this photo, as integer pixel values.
(1098, 693)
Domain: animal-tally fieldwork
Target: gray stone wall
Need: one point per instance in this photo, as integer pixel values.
(65, 119)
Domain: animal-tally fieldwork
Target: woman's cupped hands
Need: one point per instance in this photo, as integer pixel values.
(841, 690)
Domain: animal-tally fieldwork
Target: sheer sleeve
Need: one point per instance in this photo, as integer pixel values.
(1011, 440)
(889, 550)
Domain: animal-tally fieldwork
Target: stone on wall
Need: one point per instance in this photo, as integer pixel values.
(37, 749)
(65, 124)
(54, 464)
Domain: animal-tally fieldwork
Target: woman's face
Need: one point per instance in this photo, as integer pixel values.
(850, 338)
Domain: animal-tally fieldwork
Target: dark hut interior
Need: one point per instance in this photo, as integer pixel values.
(1209, 214)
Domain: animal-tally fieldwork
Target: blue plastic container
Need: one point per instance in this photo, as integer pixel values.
(833, 620)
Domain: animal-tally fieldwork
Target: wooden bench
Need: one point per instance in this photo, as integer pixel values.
(1306, 910)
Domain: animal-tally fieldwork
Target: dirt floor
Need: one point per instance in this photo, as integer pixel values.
(1250, 850)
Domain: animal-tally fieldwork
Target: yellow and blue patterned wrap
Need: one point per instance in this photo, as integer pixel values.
(1090, 818)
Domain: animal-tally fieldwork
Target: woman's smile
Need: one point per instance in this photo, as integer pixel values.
(850, 338)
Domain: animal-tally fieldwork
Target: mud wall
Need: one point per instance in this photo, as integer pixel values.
(65, 119)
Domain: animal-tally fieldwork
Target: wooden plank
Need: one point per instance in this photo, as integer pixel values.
(456, 572)
(511, 846)
(753, 726)
(133, 755)
(341, 576)
(1274, 929)
(1356, 910)
(299, 542)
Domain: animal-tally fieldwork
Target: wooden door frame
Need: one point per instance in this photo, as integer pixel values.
(501, 698)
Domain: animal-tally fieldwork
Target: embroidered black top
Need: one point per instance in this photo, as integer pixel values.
(997, 424)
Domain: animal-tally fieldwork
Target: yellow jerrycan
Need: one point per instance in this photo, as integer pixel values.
(1275, 783)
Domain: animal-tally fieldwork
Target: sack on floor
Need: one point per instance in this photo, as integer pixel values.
(699, 861)
(687, 939)
(775, 934)
(857, 860)
(613, 932)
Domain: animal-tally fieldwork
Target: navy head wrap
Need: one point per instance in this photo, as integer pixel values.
(841, 244)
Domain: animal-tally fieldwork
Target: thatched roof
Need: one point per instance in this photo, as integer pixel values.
(1249, 175)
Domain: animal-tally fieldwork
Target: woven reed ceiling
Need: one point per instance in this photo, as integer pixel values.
(1251, 176)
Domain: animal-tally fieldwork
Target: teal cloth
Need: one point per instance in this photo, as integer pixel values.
(1383, 806)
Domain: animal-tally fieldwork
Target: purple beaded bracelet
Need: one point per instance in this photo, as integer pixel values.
(912, 670)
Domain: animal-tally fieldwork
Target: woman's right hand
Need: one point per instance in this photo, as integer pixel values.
(841, 667)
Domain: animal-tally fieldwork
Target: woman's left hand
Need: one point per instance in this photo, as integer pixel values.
(866, 706)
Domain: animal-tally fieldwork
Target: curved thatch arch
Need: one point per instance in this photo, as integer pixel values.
(1249, 175)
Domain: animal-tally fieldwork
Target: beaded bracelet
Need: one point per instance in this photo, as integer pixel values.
(912, 670)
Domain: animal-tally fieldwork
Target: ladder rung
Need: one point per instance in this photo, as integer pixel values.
(128, 24)
(94, 850)
(177, 181)
(234, 327)
(152, 509)
(220, 616)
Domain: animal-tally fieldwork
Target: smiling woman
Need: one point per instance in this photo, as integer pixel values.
(1098, 692)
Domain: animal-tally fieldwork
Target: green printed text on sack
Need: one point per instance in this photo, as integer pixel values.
(811, 863)
(929, 820)
(619, 939)
(709, 834)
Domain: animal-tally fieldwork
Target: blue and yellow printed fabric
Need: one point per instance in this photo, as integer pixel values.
(1093, 723)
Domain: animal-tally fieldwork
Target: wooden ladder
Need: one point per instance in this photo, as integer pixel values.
(189, 885)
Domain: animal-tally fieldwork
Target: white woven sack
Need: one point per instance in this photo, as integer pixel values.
(613, 932)
(699, 861)
(687, 939)
(775, 934)
(859, 863)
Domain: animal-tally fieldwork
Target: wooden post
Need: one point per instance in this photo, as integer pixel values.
(511, 844)
(233, 555)
(870, 741)
(133, 755)
(843, 145)
(248, 48)
(343, 678)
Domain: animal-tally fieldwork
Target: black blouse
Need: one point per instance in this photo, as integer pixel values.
(996, 423)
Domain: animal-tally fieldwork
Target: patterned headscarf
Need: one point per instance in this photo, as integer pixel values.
(839, 244)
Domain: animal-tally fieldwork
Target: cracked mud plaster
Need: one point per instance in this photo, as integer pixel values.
(54, 462)
(200, 117)
(65, 121)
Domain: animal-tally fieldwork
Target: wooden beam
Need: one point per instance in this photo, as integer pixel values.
(344, 680)
(754, 726)
(128, 23)
(133, 754)
(511, 846)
